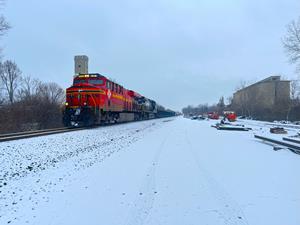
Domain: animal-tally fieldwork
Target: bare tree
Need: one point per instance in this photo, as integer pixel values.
(29, 88)
(52, 93)
(294, 93)
(291, 42)
(294, 89)
(241, 102)
(241, 85)
(4, 26)
(229, 100)
(221, 105)
(57, 94)
(2, 98)
(10, 76)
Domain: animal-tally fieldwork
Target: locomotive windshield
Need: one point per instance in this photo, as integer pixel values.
(89, 81)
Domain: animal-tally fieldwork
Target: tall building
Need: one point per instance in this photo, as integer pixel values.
(265, 93)
(81, 64)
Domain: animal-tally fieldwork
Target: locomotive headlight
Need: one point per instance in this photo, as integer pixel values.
(84, 103)
(67, 103)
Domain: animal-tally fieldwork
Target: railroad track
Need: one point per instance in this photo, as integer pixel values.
(289, 143)
(30, 134)
(37, 133)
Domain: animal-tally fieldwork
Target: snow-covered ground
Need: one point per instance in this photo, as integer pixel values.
(166, 171)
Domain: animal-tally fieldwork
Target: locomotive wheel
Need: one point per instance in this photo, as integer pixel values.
(88, 119)
(66, 119)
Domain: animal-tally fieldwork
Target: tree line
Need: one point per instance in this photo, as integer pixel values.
(249, 107)
(205, 108)
(26, 103)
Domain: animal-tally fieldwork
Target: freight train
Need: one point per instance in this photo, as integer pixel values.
(95, 99)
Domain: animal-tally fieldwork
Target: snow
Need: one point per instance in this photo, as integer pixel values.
(166, 171)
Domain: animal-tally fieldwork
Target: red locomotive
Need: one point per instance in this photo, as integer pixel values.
(94, 99)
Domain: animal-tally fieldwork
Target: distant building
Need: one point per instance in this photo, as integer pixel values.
(81, 64)
(264, 94)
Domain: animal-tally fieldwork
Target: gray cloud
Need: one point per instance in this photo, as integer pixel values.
(176, 52)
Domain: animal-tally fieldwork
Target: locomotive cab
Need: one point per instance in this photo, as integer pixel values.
(83, 99)
(88, 80)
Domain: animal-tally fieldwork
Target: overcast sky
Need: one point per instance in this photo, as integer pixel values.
(177, 52)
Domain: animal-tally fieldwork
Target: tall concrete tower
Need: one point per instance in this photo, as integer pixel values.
(81, 64)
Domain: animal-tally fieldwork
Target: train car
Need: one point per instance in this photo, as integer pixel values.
(162, 112)
(94, 99)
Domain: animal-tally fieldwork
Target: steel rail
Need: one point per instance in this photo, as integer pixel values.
(291, 140)
(23, 135)
(37, 133)
(31, 132)
(292, 147)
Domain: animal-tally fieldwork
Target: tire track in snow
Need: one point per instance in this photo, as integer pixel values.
(144, 202)
(230, 211)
